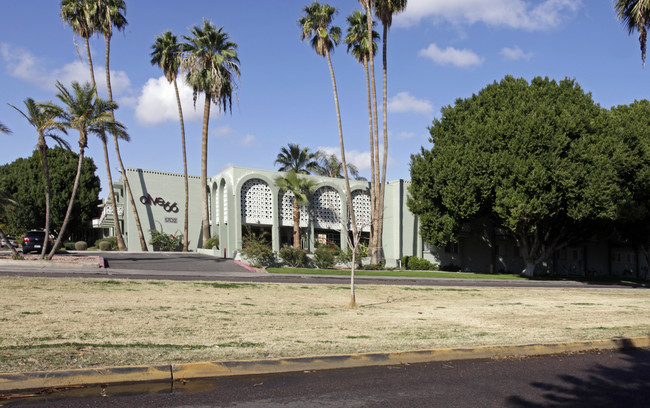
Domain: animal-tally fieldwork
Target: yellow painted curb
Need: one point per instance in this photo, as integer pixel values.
(186, 371)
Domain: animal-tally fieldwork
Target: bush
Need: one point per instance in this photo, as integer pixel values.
(450, 268)
(294, 257)
(326, 255)
(105, 246)
(165, 242)
(81, 246)
(374, 267)
(212, 242)
(413, 263)
(112, 241)
(257, 250)
(69, 246)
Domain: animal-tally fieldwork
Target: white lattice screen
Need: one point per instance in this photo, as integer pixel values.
(361, 204)
(225, 207)
(256, 203)
(327, 208)
(286, 211)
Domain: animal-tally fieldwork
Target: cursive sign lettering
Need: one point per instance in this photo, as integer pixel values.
(166, 205)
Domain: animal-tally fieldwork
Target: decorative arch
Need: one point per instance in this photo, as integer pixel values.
(256, 202)
(362, 213)
(286, 211)
(327, 208)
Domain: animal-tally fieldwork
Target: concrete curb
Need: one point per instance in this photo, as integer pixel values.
(50, 264)
(187, 371)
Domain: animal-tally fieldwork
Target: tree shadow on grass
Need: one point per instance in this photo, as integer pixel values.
(600, 386)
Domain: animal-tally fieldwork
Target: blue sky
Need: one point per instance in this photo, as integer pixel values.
(439, 50)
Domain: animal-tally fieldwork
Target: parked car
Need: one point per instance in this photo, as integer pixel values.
(11, 240)
(34, 240)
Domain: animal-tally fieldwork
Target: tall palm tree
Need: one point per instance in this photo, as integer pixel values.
(384, 10)
(81, 16)
(300, 160)
(108, 14)
(331, 166)
(212, 68)
(6, 204)
(167, 55)
(301, 188)
(86, 114)
(635, 14)
(316, 27)
(44, 120)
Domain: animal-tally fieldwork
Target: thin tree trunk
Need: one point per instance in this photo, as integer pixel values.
(348, 192)
(13, 250)
(382, 186)
(187, 189)
(204, 169)
(143, 242)
(70, 205)
(111, 192)
(42, 147)
(296, 224)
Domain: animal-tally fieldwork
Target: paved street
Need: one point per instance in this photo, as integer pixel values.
(597, 379)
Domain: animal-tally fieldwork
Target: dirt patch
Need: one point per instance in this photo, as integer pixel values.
(58, 258)
(48, 323)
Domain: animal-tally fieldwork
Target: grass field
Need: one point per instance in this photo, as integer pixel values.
(48, 323)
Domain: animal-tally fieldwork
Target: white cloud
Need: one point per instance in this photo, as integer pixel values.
(157, 103)
(515, 54)
(248, 140)
(359, 159)
(451, 56)
(519, 14)
(223, 131)
(25, 66)
(405, 102)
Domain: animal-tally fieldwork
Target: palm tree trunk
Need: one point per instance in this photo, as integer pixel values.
(204, 169)
(48, 191)
(143, 242)
(187, 190)
(380, 201)
(348, 193)
(70, 205)
(296, 224)
(13, 250)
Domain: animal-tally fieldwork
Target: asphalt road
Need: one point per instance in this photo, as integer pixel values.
(192, 266)
(595, 379)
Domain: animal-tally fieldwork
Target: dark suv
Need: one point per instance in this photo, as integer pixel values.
(33, 242)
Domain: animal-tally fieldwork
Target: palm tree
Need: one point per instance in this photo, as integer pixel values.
(384, 10)
(635, 14)
(81, 16)
(4, 129)
(212, 68)
(331, 166)
(167, 55)
(108, 14)
(301, 188)
(316, 27)
(300, 160)
(44, 120)
(87, 114)
(6, 205)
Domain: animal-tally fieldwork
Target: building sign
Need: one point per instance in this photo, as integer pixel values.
(166, 205)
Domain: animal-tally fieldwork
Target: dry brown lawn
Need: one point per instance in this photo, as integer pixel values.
(48, 323)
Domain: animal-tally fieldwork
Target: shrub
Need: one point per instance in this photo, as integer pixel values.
(212, 242)
(257, 250)
(165, 242)
(105, 246)
(373, 267)
(69, 246)
(292, 256)
(413, 263)
(80, 246)
(112, 241)
(405, 262)
(450, 268)
(326, 255)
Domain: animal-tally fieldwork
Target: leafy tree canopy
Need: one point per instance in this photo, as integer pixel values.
(23, 179)
(533, 158)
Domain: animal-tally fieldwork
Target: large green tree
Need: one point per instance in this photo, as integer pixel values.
(301, 188)
(317, 27)
(166, 53)
(635, 14)
(23, 180)
(211, 65)
(7, 205)
(529, 157)
(45, 122)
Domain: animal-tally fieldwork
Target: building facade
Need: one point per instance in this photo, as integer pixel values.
(244, 200)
